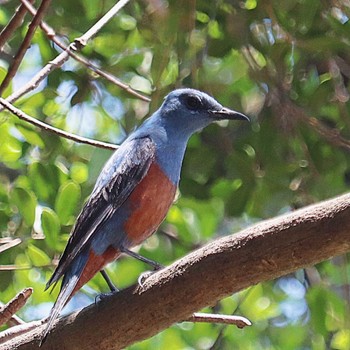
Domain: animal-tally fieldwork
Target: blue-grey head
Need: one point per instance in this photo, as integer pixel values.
(187, 111)
(183, 112)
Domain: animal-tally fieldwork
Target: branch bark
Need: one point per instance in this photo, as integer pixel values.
(262, 252)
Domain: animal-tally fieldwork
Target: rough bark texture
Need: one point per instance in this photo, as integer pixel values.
(262, 252)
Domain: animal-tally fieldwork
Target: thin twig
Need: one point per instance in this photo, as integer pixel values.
(63, 57)
(108, 76)
(8, 310)
(25, 44)
(20, 114)
(101, 23)
(9, 244)
(13, 24)
(15, 267)
(239, 321)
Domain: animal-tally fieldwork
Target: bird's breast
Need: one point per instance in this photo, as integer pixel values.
(148, 204)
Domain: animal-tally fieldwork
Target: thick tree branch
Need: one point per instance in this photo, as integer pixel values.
(262, 252)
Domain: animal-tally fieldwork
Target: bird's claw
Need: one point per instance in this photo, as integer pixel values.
(103, 296)
(143, 277)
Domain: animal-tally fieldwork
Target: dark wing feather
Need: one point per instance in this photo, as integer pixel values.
(119, 177)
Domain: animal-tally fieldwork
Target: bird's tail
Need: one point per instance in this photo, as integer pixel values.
(65, 294)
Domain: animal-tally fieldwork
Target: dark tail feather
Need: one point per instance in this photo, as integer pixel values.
(61, 301)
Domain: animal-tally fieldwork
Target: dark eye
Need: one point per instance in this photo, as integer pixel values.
(193, 102)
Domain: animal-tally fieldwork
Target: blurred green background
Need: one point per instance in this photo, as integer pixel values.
(284, 63)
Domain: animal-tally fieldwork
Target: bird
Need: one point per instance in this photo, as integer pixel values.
(133, 192)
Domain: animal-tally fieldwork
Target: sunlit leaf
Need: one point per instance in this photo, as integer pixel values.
(26, 202)
(37, 256)
(51, 227)
(67, 200)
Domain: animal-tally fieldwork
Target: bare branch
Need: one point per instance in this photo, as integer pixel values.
(14, 23)
(25, 44)
(82, 41)
(11, 243)
(14, 267)
(63, 56)
(265, 251)
(239, 321)
(108, 76)
(17, 331)
(20, 114)
(8, 310)
(14, 320)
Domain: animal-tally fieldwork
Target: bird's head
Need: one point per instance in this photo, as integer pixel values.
(189, 110)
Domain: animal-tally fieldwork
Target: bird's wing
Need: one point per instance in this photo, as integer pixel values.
(125, 169)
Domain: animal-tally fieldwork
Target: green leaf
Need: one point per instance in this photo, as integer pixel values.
(31, 136)
(37, 256)
(26, 203)
(42, 180)
(51, 227)
(67, 200)
(79, 172)
(341, 340)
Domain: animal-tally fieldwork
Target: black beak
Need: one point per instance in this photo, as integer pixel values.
(226, 113)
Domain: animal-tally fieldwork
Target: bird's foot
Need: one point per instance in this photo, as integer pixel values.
(103, 296)
(143, 277)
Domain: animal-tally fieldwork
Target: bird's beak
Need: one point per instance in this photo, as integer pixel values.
(226, 113)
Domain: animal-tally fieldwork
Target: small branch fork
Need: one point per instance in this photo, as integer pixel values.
(13, 24)
(7, 312)
(25, 44)
(50, 33)
(78, 43)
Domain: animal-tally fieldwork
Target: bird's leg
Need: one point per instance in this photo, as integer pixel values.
(111, 286)
(156, 266)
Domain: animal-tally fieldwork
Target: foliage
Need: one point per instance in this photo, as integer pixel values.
(284, 63)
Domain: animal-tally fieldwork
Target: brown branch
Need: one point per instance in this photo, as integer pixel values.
(262, 252)
(20, 114)
(17, 331)
(14, 23)
(63, 56)
(108, 76)
(8, 310)
(14, 320)
(25, 44)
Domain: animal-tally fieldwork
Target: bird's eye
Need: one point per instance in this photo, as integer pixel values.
(193, 102)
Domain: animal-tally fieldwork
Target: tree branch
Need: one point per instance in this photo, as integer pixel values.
(63, 56)
(13, 24)
(14, 305)
(265, 251)
(50, 33)
(25, 44)
(239, 321)
(20, 114)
